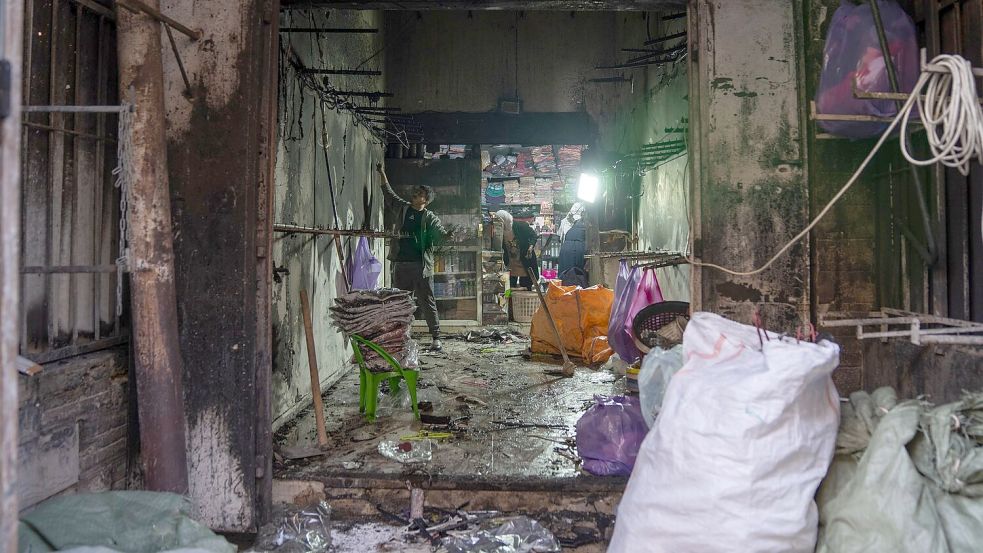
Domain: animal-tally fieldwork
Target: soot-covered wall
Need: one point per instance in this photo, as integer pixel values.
(312, 141)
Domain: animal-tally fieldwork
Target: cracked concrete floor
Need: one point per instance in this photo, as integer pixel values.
(514, 424)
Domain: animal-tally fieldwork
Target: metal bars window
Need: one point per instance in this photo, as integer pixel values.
(70, 207)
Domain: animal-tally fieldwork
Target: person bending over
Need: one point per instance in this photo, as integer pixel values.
(412, 254)
(518, 250)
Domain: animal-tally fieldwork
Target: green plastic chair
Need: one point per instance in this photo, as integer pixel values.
(368, 381)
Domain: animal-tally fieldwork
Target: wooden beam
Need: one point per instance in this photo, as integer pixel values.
(159, 367)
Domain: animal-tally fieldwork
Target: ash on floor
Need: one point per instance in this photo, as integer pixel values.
(512, 424)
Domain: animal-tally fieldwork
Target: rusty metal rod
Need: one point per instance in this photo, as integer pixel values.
(138, 6)
(43, 127)
(665, 38)
(180, 63)
(158, 364)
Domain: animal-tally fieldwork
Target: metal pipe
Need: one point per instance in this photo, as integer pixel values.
(892, 76)
(665, 38)
(673, 52)
(325, 30)
(43, 127)
(364, 94)
(294, 229)
(341, 71)
(158, 363)
(72, 109)
(67, 269)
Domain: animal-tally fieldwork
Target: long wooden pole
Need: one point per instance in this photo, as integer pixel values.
(156, 346)
(10, 164)
(322, 434)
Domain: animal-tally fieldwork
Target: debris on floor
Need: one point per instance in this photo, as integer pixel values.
(124, 521)
(507, 420)
(511, 535)
(296, 530)
(493, 336)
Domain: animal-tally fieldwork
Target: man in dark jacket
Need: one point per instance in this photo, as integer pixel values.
(411, 254)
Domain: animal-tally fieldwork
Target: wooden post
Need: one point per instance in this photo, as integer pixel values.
(322, 434)
(10, 163)
(157, 354)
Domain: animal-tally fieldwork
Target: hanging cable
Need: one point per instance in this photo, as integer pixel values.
(951, 115)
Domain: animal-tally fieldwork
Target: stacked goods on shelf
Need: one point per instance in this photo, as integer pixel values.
(382, 316)
(543, 160)
(569, 161)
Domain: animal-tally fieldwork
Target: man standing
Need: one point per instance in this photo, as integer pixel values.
(411, 254)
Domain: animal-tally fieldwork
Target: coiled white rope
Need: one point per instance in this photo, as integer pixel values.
(953, 120)
(950, 113)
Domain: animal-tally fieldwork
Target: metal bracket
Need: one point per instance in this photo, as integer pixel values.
(919, 328)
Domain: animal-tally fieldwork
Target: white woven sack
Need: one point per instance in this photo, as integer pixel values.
(744, 437)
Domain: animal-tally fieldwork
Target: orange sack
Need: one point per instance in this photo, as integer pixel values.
(581, 316)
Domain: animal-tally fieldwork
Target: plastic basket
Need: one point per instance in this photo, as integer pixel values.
(524, 306)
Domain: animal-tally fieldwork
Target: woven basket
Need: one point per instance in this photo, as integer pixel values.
(661, 324)
(524, 306)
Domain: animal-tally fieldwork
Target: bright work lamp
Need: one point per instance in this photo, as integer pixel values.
(588, 187)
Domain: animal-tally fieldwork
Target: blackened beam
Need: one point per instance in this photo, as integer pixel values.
(326, 30)
(137, 6)
(673, 16)
(341, 71)
(376, 110)
(665, 38)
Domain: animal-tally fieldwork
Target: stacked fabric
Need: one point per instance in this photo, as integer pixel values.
(543, 160)
(569, 161)
(382, 316)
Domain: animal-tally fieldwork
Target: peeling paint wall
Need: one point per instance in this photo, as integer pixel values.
(751, 194)
(303, 197)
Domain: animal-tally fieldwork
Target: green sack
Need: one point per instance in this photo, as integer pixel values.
(132, 522)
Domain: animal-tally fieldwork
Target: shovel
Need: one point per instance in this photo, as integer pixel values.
(568, 366)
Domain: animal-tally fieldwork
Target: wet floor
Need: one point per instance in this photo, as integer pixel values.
(513, 424)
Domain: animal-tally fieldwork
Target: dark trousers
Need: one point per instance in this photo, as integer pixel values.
(408, 275)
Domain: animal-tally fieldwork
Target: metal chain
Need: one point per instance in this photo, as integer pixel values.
(123, 180)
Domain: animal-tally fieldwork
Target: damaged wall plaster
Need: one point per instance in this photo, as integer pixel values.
(753, 193)
(303, 197)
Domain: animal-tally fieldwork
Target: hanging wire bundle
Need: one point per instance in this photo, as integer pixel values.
(332, 99)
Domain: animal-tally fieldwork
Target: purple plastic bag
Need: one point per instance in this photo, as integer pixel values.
(609, 435)
(853, 56)
(620, 341)
(363, 267)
